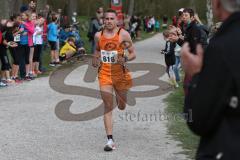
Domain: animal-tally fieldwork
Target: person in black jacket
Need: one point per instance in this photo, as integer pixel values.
(191, 31)
(169, 55)
(191, 34)
(214, 93)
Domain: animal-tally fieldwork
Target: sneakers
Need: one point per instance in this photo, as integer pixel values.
(10, 81)
(52, 64)
(3, 84)
(17, 80)
(110, 146)
(27, 78)
(57, 64)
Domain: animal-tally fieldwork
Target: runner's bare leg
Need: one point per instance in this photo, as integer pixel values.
(107, 96)
(121, 98)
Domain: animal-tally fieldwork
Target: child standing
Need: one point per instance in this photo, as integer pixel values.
(169, 53)
(26, 30)
(157, 26)
(38, 43)
(52, 39)
(13, 37)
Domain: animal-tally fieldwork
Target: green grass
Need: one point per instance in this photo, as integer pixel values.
(178, 128)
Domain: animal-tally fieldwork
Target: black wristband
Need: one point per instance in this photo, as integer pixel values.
(125, 58)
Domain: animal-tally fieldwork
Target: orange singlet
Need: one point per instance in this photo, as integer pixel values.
(110, 72)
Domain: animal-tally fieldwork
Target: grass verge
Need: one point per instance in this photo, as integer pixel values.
(178, 128)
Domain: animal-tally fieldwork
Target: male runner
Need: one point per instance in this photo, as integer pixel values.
(113, 76)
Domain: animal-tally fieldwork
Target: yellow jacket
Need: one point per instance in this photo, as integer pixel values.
(66, 48)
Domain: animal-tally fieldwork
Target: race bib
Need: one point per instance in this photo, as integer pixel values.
(17, 38)
(109, 56)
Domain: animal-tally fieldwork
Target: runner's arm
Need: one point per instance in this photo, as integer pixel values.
(126, 37)
(96, 54)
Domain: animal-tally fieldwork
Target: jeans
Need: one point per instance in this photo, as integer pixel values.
(176, 68)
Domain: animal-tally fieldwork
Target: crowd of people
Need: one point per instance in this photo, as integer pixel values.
(27, 34)
(186, 27)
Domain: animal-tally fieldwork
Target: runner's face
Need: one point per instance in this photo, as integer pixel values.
(110, 20)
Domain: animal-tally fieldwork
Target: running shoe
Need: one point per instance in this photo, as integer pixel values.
(110, 146)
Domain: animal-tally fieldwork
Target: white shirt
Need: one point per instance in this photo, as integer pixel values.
(37, 38)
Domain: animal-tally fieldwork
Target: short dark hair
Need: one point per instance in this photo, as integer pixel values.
(110, 10)
(71, 39)
(14, 16)
(190, 11)
(54, 17)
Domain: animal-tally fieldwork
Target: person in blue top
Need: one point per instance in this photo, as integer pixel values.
(24, 49)
(78, 41)
(63, 35)
(157, 25)
(52, 39)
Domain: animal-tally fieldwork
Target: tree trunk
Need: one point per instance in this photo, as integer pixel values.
(131, 7)
(72, 7)
(41, 5)
(193, 6)
(4, 11)
(209, 13)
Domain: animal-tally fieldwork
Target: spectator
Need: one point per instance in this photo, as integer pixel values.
(95, 25)
(192, 36)
(152, 24)
(78, 41)
(38, 43)
(68, 50)
(157, 26)
(26, 29)
(127, 19)
(174, 21)
(6, 66)
(165, 21)
(12, 35)
(213, 97)
(32, 6)
(144, 21)
(52, 39)
(169, 54)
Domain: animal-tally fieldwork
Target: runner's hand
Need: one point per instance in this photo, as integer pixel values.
(95, 61)
(121, 60)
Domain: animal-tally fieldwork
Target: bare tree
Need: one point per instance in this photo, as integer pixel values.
(209, 13)
(41, 4)
(131, 7)
(192, 4)
(72, 7)
(9, 7)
